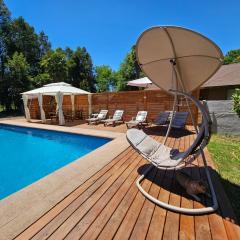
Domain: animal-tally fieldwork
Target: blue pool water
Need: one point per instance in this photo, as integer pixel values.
(27, 154)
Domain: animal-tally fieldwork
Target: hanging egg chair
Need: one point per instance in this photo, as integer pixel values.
(179, 61)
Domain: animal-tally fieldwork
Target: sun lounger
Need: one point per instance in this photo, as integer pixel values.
(162, 118)
(101, 116)
(116, 119)
(180, 119)
(139, 121)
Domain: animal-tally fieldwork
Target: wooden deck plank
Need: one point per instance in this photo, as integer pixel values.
(227, 214)
(144, 219)
(128, 222)
(114, 222)
(157, 225)
(218, 231)
(142, 224)
(109, 187)
(109, 206)
(91, 195)
(186, 222)
(116, 219)
(202, 228)
(155, 230)
(106, 215)
(171, 228)
(101, 220)
(52, 213)
(103, 204)
(186, 230)
(131, 216)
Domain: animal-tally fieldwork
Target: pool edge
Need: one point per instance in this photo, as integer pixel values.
(24, 207)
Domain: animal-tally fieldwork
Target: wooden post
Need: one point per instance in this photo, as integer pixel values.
(145, 100)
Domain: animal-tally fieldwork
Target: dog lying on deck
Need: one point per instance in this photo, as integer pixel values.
(193, 187)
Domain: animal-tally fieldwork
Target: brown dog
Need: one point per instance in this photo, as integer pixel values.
(193, 187)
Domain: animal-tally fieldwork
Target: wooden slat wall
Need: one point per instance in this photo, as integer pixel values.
(34, 109)
(153, 101)
(81, 102)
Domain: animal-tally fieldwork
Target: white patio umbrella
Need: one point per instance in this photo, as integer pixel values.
(54, 89)
(141, 82)
(162, 50)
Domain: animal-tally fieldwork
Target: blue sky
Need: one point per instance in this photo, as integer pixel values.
(108, 29)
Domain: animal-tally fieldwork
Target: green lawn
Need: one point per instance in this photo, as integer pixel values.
(226, 155)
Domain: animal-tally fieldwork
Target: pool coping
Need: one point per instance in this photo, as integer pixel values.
(24, 207)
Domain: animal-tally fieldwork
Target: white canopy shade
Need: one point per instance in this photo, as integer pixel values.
(162, 50)
(26, 109)
(54, 88)
(141, 82)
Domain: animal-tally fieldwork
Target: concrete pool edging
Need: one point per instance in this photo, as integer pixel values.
(24, 207)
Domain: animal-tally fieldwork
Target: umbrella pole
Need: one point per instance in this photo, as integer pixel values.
(213, 194)
(174, 105)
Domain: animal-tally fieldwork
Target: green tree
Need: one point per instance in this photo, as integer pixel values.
(80, 69)
(5, 19)
(43, 44)
(129, 70)
(18, 36)
(232, 56)
(236, 101)
(24, 39)
(104, 78)
(54, 64)
(41, 79)
(69, 53)
(18, 80)
(40, 65)
(4, 13)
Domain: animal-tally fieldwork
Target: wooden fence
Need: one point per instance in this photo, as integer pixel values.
(153, 101)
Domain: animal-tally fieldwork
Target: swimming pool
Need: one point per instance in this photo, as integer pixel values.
(28, 154)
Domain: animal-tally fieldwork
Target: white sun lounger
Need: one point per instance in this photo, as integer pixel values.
(101, 116)
(117, 118)
(139, 121)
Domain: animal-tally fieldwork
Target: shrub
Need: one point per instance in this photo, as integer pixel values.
(236, 101)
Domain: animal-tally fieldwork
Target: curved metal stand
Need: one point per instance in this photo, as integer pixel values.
(170, 207)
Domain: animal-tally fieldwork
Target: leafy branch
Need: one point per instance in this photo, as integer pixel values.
(236, 101)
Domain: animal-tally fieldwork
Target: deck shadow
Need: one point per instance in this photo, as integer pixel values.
(225, 207)
(162, 130)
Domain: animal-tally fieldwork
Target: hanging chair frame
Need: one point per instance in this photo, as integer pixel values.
(197, 152)
(202, 134)
(193, 153)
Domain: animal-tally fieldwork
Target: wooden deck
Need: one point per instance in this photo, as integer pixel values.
(82, 124)
(109, 205)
